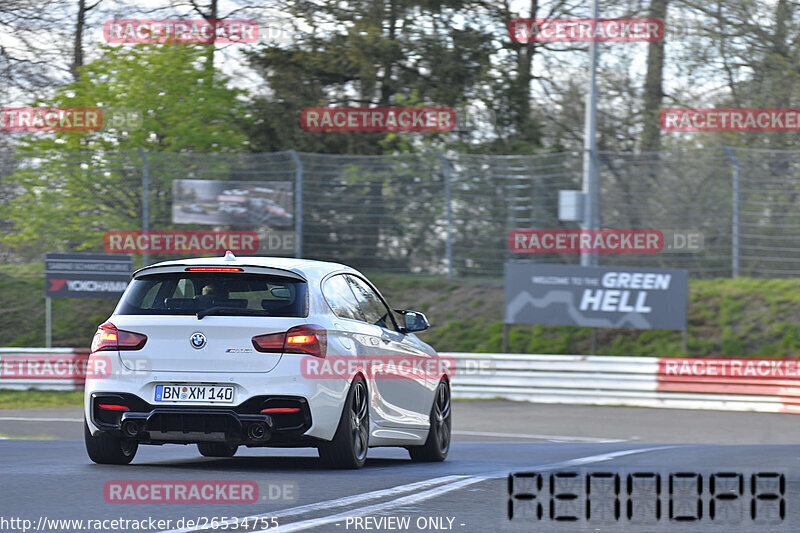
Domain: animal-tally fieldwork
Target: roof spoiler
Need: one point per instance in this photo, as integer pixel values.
(246, 269)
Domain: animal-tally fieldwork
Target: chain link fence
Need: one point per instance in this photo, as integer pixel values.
(427, 212)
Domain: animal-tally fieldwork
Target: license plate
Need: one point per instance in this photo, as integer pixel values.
(194, 393)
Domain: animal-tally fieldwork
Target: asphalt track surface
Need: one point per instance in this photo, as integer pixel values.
(45, 475)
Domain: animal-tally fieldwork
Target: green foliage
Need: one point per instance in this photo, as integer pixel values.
(76, 185)
(27, 399)
(743, 317)
(718, 322)
(22, 314)
(361, 54)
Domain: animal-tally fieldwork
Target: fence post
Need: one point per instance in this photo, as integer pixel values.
(145, 198)
(735, 214)
(448, 210)
(298, 204)
(48, 322)
(591, 191)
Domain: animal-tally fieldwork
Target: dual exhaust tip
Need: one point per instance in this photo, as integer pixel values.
(130, 428)
(257, 431)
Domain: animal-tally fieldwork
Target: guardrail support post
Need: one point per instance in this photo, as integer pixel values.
(735, 213)
(145, 199)
(48, 322)
(591, 203)
(448, 210)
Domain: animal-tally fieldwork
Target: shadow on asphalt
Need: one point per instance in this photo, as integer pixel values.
(248, 464)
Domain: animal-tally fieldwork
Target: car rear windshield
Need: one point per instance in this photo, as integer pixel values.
(189, 293)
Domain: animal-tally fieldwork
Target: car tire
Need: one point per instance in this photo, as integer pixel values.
(217, 449)
(107, 448)
(437, 445)
(348, 449)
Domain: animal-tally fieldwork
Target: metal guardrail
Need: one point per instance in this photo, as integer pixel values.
(43, 368)
(731, 384)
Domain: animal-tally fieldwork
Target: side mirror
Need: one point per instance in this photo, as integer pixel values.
(414, 321)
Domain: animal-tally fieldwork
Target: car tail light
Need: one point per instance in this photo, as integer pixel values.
(271, 343)
(306, 339)
(214, 269)
(108, 337)
(310, 340)
(274, 410)
(113, 407)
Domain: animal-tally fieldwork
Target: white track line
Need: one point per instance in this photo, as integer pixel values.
(29, 419)
(443, 489)
(551, 438)
(405, 500)
(338, 502)
(445, 484)
(602, 457)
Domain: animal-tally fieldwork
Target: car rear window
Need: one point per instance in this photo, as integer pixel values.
(186, 293)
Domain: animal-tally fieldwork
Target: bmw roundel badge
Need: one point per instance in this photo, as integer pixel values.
(197, 340)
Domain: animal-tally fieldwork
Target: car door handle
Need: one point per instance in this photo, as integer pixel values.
(385, 339)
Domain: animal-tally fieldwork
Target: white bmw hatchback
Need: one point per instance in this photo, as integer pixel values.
(251, 351)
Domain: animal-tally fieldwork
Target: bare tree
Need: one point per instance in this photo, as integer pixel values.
(653, 84)
(80, 25)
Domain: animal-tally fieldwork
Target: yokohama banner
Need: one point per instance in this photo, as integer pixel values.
(85, 275)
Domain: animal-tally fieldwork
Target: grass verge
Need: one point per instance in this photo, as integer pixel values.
(33, 398)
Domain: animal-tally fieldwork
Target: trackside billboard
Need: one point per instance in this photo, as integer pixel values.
(85, 275)
(600, 297)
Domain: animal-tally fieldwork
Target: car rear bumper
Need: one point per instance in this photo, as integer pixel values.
(244, 424)
(324, 397)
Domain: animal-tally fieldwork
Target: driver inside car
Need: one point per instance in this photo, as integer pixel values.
(213, 291)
